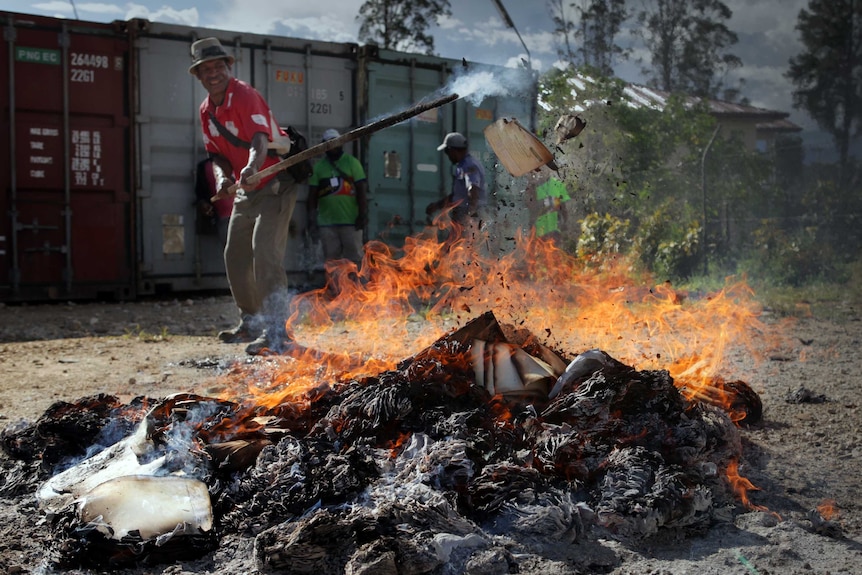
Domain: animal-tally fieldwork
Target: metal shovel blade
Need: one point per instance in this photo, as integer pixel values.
(516, 147)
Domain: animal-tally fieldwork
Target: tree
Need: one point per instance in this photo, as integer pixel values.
(828, 73)
(401, 24)
(602, 20)
(564, 29)
(687, 40)
(596, 24)
(646, 166)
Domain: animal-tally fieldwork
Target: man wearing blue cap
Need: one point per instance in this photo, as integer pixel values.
(468, 194)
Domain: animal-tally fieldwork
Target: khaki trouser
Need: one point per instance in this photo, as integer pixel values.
(256, 243)
(341, 242)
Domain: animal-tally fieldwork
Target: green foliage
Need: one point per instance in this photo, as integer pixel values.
(602, 238)
(564, 30)
(687, 41)
(401, 24)
(676, 257)
(826, 73)
(689, 208)
(788, 259)
(586, 32)
(668, 241)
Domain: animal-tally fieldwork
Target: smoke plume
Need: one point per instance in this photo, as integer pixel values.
(475, 84)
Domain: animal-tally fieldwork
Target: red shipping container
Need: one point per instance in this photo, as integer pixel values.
(65, 149)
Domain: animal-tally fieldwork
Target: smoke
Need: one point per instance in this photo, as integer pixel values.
(475, 84)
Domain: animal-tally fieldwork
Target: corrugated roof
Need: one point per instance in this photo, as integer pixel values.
(778, 126)
(640, 96)
(658, 99)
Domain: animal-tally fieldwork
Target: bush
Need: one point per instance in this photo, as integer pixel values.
(789, 258)
(668, 241)
(602, 237)
(677, 257)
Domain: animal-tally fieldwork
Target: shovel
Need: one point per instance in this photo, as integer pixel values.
(359, 132)
(517, 148)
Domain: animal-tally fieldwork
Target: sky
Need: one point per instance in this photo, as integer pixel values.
(475, 31)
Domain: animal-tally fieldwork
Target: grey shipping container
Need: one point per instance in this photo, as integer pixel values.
(308, 84)
(123, 224)
(406, 172)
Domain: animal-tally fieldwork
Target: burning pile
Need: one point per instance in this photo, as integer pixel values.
(417, 464)
(487, 443)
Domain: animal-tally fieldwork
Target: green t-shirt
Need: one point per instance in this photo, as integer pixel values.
(552, 194)
(336, 190)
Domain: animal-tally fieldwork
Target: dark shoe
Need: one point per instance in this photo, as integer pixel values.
(258, 346)
(243, 333)
(264, 345)
(269, 344)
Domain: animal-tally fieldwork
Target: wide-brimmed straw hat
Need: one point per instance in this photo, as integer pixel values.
(207, 49)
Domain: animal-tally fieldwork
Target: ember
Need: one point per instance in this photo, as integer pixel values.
(488, 439)
(420, 464)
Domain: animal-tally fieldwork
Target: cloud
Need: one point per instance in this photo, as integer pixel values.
(332, 20)
(323, 28)
(773, 16)
(99, 8)
(491, 43)
(448, 23)
(518, 62)
(167, 14)
(53, 6)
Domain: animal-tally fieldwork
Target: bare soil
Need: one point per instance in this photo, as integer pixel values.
(805, 452)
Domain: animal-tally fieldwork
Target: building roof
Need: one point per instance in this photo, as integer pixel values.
(767, 120)
(640, 96)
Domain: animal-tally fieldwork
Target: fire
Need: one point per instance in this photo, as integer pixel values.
(368, 318)
(741, 486)
(395, 446)
(828, 510)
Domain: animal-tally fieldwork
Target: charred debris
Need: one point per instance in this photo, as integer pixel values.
(479, 448)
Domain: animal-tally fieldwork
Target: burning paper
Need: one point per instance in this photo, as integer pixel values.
(149, 506)
(518, 149)
(458, 445)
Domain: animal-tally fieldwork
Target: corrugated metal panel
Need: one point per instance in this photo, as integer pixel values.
(308, 84)
(171, 257)
(406, 171)
(105, 135)
(67, 190)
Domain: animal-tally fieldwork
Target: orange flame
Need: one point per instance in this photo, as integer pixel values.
(741, 486)
(394, 447)
(828, 510)
(398, 301)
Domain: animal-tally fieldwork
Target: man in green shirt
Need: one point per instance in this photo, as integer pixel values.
(552, 195)
(338, 203)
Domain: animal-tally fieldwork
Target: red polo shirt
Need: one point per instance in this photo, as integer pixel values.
(244, 112)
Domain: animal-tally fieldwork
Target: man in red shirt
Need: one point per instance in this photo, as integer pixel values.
(237, 128)
(215, 213)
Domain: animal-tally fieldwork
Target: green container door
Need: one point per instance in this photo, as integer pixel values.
(405, 170)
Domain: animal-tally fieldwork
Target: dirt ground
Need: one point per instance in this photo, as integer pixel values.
(807, 451)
